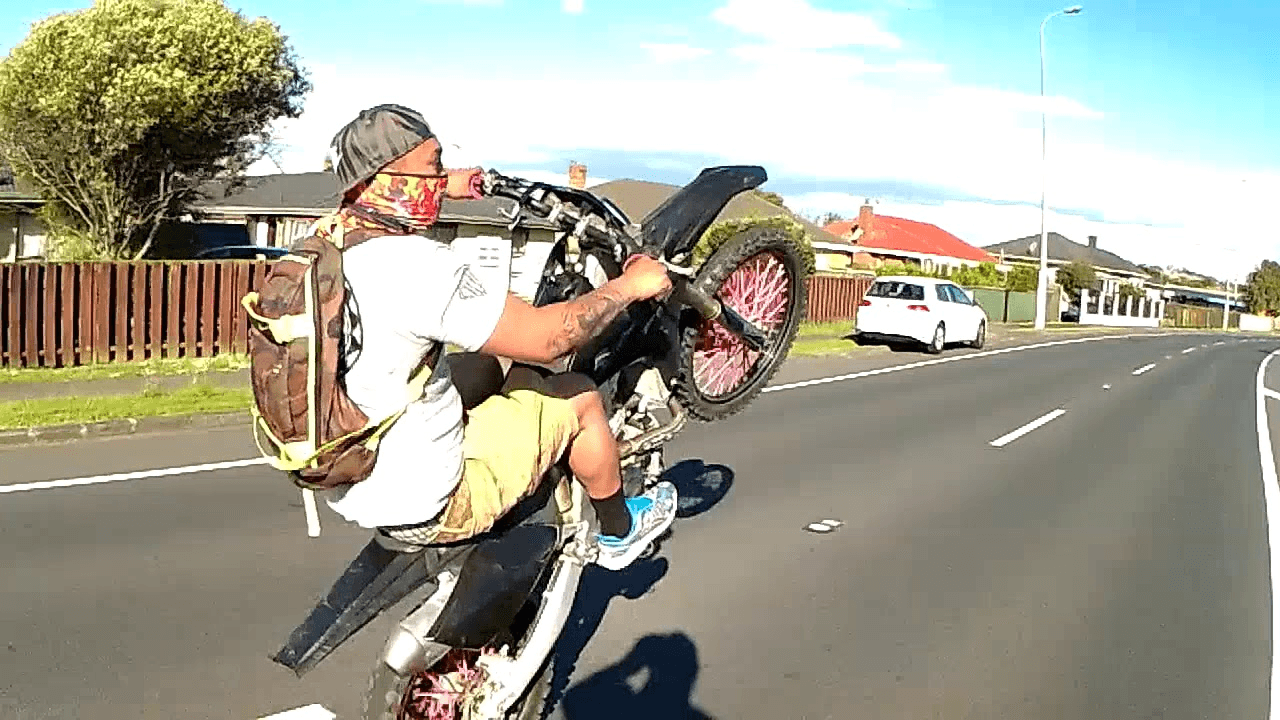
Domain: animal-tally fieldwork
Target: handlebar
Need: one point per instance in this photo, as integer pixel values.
(525, 194)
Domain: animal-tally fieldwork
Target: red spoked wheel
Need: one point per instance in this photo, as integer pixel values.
(759, 290)
(760, 274)
(443, 691)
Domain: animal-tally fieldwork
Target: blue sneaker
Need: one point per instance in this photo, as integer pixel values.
(651, 514)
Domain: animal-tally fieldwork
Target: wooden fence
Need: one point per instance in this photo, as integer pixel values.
(1197, 316)
(834, 298)
(63, 314)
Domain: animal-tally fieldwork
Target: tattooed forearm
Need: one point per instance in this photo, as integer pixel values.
(585, 317)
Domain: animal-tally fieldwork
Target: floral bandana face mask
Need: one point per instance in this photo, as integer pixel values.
(412, 199)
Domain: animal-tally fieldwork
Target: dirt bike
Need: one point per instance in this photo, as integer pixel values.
(479, 644)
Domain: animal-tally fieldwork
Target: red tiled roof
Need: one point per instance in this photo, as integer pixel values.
(892, 233)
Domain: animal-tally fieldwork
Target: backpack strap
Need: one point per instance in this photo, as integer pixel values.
(291, 457)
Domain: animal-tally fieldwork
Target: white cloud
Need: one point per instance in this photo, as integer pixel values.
(674, 52)
(909, 128)
(572, 7)
(797, 24)
(1006, 101)
(782, 63)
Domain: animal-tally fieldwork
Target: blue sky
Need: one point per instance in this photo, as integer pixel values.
(1163, 116)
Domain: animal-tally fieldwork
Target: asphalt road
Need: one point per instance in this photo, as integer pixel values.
(1112, 562)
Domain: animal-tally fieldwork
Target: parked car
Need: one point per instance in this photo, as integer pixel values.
(242, 252)
(929, 311)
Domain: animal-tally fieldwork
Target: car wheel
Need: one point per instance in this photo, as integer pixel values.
(981, 338)
(939, 339)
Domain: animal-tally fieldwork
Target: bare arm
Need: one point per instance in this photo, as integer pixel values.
(544, 334)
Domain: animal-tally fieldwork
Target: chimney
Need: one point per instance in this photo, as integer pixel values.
(866, 221)
(1093, 241)
(578, 176)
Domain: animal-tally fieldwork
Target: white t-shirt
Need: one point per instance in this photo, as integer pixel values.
(409, 293)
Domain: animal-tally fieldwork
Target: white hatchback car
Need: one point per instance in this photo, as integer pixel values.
(920, 309)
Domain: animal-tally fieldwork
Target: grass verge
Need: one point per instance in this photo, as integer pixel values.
(195, 399)
(826, 338)
(147, 368)
(839, 328)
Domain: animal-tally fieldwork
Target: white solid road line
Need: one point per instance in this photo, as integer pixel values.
(140, 475)
(1272, 502)
(1038, 422)
(1143, 369)
(1188, 350)
(1271, 393)
(308, 712)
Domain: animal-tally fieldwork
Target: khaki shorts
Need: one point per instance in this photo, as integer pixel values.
(508, 443)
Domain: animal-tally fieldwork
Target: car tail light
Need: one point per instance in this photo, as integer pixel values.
(865, 303)
(918, 307)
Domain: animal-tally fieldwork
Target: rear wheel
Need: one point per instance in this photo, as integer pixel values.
(760, 274)
(439, 692)
(432, 695)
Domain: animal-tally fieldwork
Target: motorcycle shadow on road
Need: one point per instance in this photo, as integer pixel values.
(699, 487)
(654, 680)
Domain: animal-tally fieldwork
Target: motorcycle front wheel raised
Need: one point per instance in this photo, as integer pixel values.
(760, 274)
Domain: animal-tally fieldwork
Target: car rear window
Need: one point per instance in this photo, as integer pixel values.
(896, 290)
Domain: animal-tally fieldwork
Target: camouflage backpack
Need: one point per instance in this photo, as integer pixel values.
(304, 423)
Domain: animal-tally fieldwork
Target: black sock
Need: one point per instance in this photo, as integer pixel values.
(614, 517)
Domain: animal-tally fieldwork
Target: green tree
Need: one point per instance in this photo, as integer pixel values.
(1262, 289)
(1076, 277)
(826, 219)
(1129, 290)
(772, 198)
(117, 112)
(984, 275)
(1021, 278)
(721, 232)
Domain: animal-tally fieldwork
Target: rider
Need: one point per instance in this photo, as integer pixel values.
(440, 477)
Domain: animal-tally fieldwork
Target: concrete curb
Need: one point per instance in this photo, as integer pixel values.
(123, 426)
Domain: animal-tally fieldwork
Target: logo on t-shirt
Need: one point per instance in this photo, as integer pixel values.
(469, 286)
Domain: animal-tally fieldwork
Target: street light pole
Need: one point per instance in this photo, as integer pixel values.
(1042, 284)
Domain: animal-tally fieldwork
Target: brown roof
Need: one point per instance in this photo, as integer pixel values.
(317, 193)
(638, 198)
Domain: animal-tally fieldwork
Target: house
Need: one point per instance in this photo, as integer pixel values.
(274, 210)
(879, 239)
(638, 198)
(22, 235)
(1112, 270)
